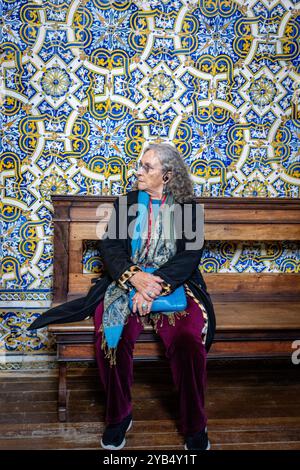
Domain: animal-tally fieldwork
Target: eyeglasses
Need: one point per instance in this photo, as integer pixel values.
(146, 167)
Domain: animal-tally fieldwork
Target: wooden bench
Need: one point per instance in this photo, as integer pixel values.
(258, 314)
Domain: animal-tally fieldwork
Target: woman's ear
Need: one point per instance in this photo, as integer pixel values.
(165, 177)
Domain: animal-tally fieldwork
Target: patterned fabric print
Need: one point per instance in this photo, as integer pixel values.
(163, 245)
(115, 295)
(205, 315)
(124, 278)
(166, 288)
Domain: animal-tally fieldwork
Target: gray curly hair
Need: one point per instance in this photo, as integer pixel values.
(180, 184)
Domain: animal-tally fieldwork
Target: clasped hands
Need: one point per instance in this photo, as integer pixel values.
(148, 287)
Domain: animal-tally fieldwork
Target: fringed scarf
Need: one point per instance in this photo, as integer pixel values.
(162, 246)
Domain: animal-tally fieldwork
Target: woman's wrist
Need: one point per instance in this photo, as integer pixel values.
(127, 275)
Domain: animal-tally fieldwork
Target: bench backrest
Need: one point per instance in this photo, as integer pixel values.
(81, 218)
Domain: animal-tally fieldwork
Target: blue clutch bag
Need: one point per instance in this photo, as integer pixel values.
(173, 302)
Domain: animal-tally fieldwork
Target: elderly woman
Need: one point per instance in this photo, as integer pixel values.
(187, 333)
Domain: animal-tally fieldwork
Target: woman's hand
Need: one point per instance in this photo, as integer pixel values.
(147, 284)
(138, 301)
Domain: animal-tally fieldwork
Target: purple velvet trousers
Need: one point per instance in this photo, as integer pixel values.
(187, 358)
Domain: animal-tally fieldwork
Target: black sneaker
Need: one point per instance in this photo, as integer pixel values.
(114, 435)
(198, 441)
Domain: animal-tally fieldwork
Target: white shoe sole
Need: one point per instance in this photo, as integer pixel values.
(111, 447)
(207, 448)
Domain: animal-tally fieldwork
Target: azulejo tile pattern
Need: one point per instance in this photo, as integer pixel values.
(85, 85)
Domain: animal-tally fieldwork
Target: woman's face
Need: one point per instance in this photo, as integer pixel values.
(150, 180)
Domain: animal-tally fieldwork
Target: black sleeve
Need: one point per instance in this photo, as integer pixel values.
(113, 251)
(180, 267)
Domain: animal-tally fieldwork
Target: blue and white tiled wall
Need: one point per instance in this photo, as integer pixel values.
(85, 85)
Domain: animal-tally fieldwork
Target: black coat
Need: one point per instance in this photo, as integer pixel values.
(116, 253)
